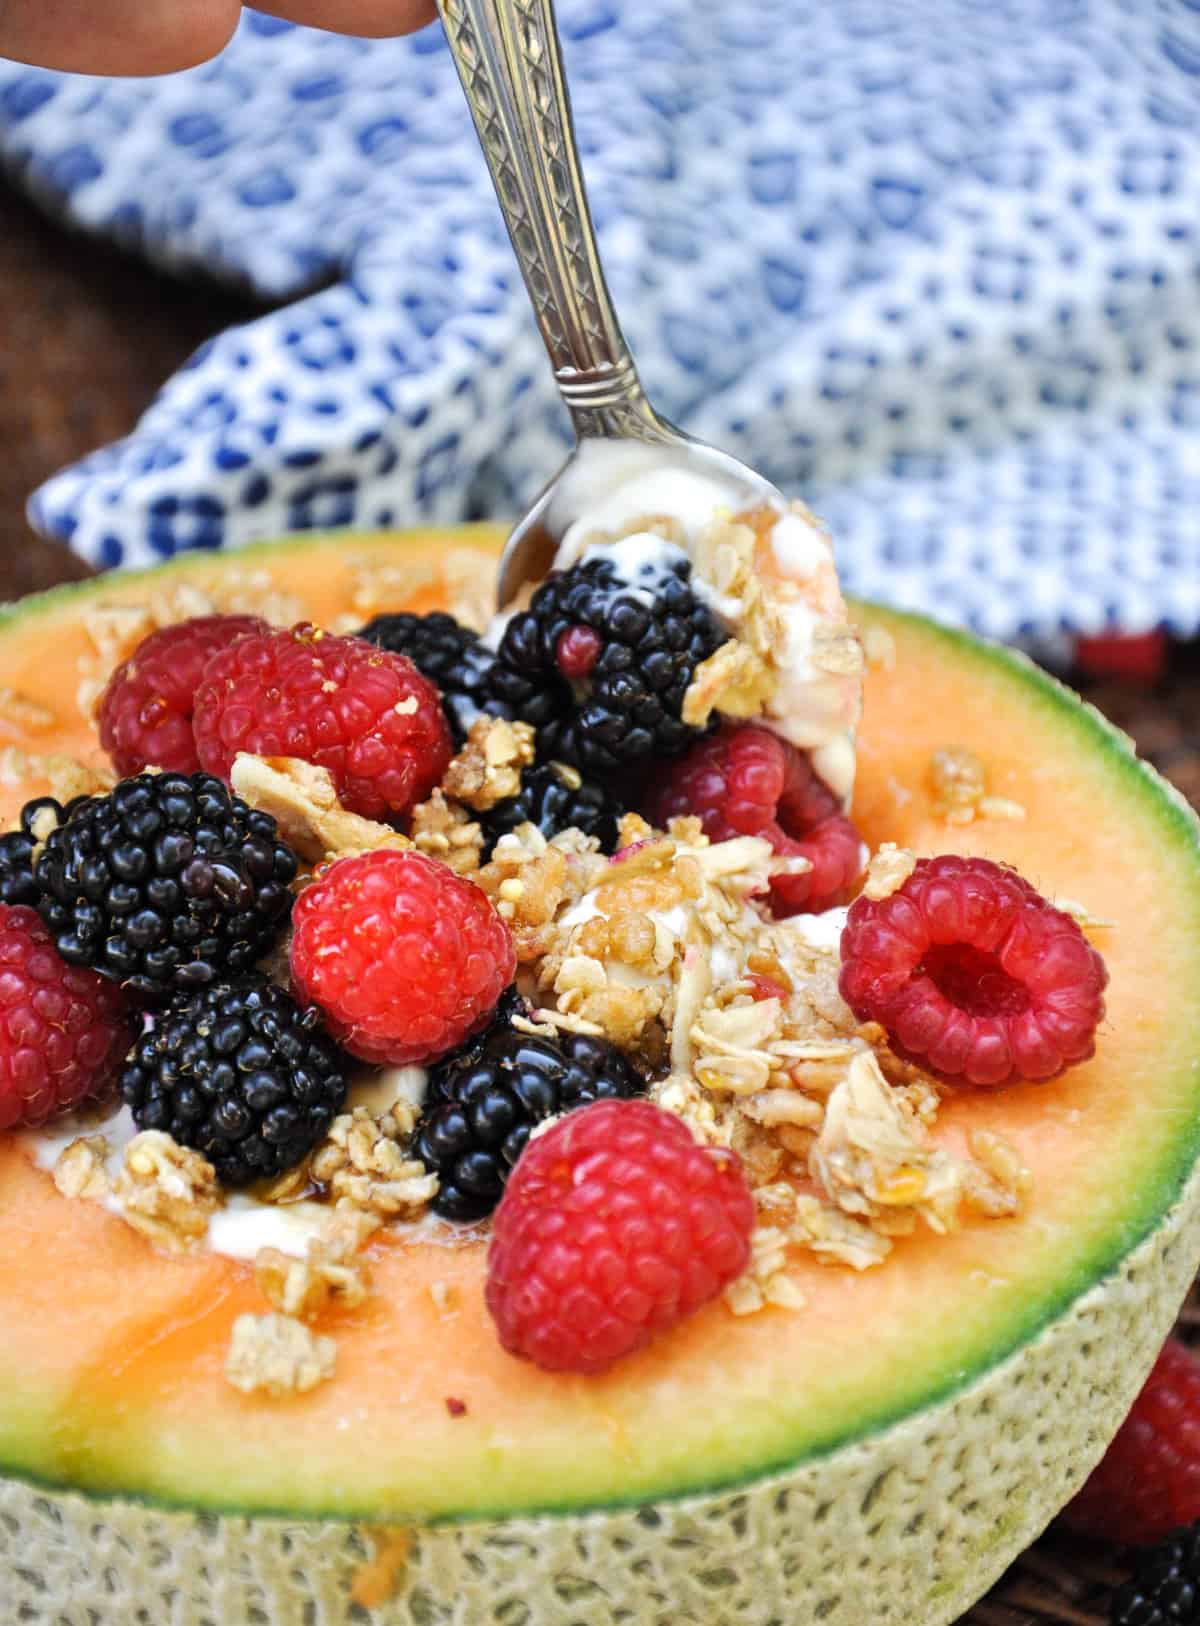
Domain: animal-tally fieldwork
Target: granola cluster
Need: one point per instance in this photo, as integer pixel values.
(957, 781)
(167, 1191)
(277, 1355)
(114, 630)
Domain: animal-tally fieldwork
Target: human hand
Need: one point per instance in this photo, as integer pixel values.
(159, 36)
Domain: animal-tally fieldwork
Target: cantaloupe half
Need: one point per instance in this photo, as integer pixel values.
(876, 1457)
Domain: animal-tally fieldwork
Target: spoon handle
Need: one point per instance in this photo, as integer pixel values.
(508, 57)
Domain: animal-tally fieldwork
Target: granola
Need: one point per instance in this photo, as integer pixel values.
(114, 630)
(167, 1191)
(445, 830)
(363, 1164)
(958, 782)
(19, 714)
(277, 1355)
(488, 768)
(304, 802)
(386, 584)
(304, 1287)
(887, 871)
(81, 1170)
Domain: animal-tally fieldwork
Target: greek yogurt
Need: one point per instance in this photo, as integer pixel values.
(243, 1224)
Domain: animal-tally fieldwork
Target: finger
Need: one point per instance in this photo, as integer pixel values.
(375, 19)
(119, 36)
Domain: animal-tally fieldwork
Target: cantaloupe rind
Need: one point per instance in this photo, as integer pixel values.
(906, 1527)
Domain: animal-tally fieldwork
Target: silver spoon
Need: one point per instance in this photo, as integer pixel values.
(508, 57)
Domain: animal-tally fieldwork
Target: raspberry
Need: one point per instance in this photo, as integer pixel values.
(404, 958)
(146, 710)
(1148, 1480)
(746, 781)
(455, 660)
(1139, 657)
(973, 974)
(64, 1030)
(615, 1224)
(365, 714)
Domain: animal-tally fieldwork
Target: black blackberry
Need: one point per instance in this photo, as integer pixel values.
(168, 882)
(553, 797)
(239, 1072)
(17, 884)
(450, 656)
(484, 1100)
(1164, 1589)
(624, 707)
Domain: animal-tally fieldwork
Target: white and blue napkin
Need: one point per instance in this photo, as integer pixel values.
(934, 266)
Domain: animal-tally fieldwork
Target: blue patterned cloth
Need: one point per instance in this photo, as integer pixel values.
(933, 266)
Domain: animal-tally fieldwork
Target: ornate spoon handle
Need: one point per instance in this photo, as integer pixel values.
(508, 58)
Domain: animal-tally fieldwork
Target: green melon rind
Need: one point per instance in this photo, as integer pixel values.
(906, 1528)
(1160, 804)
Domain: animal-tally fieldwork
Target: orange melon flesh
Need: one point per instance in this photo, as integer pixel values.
(111, 1355)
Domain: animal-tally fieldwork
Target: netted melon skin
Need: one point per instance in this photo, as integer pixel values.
(904, 1528)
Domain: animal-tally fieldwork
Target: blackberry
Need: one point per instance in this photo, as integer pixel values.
(169, 881)
(17, 884)
(451, 656)
(554, 797)
(484, 1100)
(239, 1072)
(1164, 1589)
(601, 660)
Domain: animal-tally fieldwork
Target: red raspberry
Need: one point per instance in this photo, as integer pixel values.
(64, 1029)
(146, 709)
(1139, 657)
(746, 781)
(974, 974)
(404, 957)
(365, 714)
(1148, 1481)
(614, 1225)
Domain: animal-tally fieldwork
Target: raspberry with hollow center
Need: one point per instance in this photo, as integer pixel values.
(145, 716)
(974, 974)
(615, 1225)
(64, 1029)
(364, 714)
(747, 781)
(404, 958)
(1148, 1481)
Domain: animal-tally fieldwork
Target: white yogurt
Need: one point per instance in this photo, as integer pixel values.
(243, 1224)
(610, 484)
(819, 931)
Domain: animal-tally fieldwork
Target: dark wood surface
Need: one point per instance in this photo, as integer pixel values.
(88, 334)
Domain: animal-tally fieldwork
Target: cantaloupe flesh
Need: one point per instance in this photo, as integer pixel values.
(111, 1356)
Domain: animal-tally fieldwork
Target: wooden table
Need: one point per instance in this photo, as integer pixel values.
(87, 335)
